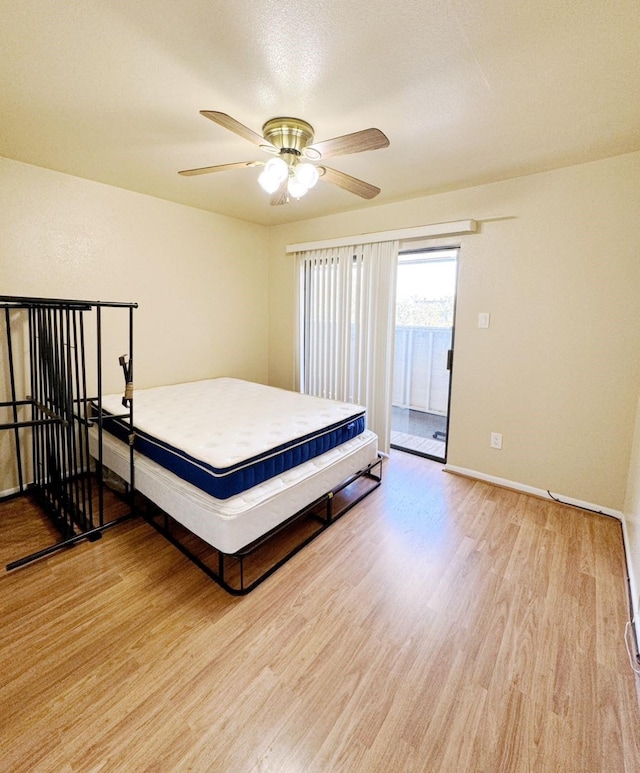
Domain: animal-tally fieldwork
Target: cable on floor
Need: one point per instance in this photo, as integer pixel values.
(631, 622)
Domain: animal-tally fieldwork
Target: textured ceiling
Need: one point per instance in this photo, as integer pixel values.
(467, 91)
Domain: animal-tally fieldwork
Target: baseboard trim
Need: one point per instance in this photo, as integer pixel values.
(542, 494)
(9, 492)
(536, 492)
(634, 604)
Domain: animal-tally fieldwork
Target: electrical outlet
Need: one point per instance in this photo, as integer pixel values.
(496, 440)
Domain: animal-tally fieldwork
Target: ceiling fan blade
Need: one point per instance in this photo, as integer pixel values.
(219, 168)
(235, 126)
(281, 196)
(367, 139)
(348, 183)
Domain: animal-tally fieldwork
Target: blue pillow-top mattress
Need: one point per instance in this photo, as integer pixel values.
(225, 435)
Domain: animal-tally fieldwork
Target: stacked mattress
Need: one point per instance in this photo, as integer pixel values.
(231, 459)
(225, 435)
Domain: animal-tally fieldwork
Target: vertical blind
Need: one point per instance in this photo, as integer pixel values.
(347, 316)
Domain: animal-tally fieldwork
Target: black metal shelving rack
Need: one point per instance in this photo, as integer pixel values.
(46, 348)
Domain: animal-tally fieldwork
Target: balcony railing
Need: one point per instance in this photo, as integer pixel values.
(420, 375)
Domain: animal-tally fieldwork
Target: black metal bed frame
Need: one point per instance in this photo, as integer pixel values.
(229, 569)
(59, 466)
(60, 471)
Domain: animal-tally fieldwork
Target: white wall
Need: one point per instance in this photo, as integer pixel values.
(200, 279)
(556, 264)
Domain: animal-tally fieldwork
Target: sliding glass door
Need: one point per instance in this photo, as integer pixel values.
(425, 304)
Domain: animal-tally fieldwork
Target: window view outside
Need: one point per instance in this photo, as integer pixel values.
(424, 296)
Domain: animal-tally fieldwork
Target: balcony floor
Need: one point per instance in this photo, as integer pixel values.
(414, 431)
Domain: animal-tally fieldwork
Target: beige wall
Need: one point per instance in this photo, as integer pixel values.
(200, 279)
(556, 263)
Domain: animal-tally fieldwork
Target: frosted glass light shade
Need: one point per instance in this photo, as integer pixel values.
(274, 172)
(296, 188)
(307, 174)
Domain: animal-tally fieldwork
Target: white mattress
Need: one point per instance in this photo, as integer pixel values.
(232, 524)
(225, 421)
(225, 435)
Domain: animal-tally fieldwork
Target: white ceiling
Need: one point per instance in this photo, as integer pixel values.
(467, 91)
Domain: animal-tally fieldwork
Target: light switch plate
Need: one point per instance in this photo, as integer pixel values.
(483, 319)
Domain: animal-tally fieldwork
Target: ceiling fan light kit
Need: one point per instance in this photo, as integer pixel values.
(300, 176)
(290, 139)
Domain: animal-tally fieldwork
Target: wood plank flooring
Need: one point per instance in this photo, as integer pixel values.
(442, 625)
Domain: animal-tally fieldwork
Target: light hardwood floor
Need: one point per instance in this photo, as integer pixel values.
(441, 625)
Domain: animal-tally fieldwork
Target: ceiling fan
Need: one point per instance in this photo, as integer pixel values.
(289, 174)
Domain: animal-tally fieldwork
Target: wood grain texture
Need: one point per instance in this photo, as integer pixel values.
(442, 625)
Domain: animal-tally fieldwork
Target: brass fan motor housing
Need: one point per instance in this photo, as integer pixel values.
(288, 134)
